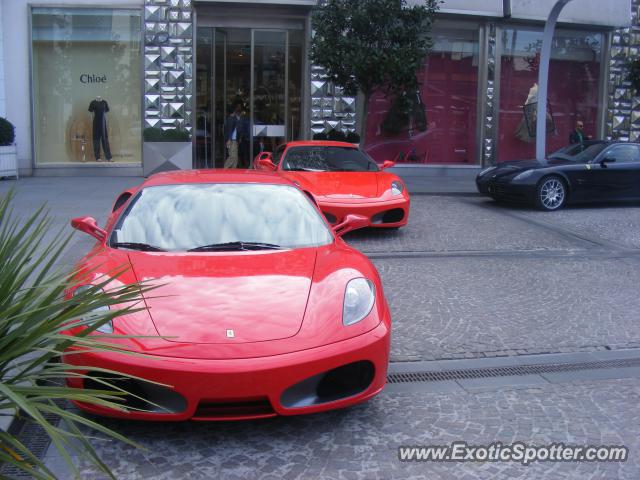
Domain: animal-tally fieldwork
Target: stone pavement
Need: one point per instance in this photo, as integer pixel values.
(466, 279)
(362, 442)
(469, 278)
(438, 180)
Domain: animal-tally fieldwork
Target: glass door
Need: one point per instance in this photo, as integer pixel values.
(220, 95)
(234, 97)
(204, 90)
(248, 94)
(269, 99)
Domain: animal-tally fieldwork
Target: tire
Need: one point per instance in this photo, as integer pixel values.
(551, 194)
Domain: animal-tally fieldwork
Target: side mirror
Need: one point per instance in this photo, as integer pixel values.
(606, 160)
(264, 161)
(350, 222)
(387, 164)
(90, 226)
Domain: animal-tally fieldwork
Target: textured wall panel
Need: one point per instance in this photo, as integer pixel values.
(488, 128)
(622, 120)
(330, 108)
(168, 56)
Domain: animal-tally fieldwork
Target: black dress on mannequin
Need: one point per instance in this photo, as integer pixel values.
(99, 108)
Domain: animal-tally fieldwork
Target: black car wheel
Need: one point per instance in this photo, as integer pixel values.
(551, 193)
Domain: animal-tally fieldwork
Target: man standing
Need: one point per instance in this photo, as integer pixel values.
(578, 136)
(233, 133)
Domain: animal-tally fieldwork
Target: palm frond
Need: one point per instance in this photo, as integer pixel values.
(35, 315)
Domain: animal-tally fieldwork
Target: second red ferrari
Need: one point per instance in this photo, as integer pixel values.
(343, 180)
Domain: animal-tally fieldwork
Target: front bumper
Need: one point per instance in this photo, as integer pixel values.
(506, 190)
(289, 384)
(386, 213)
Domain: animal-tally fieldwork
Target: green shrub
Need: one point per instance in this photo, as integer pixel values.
(155, 134)
(7, 132)
(320, 136)
(634, 74)
(338, 136)
(353, 137)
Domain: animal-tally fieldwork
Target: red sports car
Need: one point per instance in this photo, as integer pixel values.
(343, 180)
(261, 308)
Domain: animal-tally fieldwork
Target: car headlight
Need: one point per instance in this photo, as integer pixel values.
(359, 297)
(487, 170)
(523, 175)
(397, 188)
(106, 327)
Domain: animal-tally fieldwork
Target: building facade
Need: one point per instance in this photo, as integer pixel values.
(132, 87)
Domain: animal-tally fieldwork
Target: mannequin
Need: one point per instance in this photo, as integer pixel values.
(99, 107)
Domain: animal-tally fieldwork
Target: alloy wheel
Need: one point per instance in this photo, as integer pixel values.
(552, 194)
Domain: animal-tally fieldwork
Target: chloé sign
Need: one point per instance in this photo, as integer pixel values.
(88, 78)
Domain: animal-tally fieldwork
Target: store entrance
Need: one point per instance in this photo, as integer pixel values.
(248, 93)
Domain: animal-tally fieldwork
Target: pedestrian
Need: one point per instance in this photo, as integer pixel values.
(233, 134)
(577, 136)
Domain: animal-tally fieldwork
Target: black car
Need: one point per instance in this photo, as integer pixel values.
(595, 171)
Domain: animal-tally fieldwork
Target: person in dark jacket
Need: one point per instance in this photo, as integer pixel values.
(578, 136)
(235, 132)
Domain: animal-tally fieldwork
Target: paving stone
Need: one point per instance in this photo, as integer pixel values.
(362, 442)
(618, 224)
(448, 224)
(605, 373)
(445, 308)
(507, 381)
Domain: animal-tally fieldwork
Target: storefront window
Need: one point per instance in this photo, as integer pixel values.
(87, 85)
(574, 74)
(436, 125)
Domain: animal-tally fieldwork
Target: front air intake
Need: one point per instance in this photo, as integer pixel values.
(342, 382)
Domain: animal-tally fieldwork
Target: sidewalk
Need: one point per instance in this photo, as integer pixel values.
(439, 180)
(420, 180)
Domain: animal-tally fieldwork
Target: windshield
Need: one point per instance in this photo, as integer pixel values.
(186, 217)
(579, 153)
(328, 159)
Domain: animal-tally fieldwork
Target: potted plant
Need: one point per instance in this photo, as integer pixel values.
(8, 151)
(166, 149)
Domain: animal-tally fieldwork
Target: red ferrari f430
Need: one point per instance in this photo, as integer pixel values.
(261, 309)
(343, 179)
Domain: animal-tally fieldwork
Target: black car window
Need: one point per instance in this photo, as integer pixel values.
(328, 159)
(623, 153)
(580, 153)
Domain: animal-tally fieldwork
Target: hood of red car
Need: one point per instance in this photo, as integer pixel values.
(227, 298)
(338, 185)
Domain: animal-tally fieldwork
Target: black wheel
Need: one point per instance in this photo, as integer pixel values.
(551, 194)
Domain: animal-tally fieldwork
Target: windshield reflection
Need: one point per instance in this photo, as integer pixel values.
(328, 159)
(184, 217)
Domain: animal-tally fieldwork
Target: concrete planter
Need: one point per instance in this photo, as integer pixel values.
(9, 161)
(164, 156)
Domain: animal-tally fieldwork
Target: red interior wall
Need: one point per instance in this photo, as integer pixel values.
(573, 95)
(449, 92)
